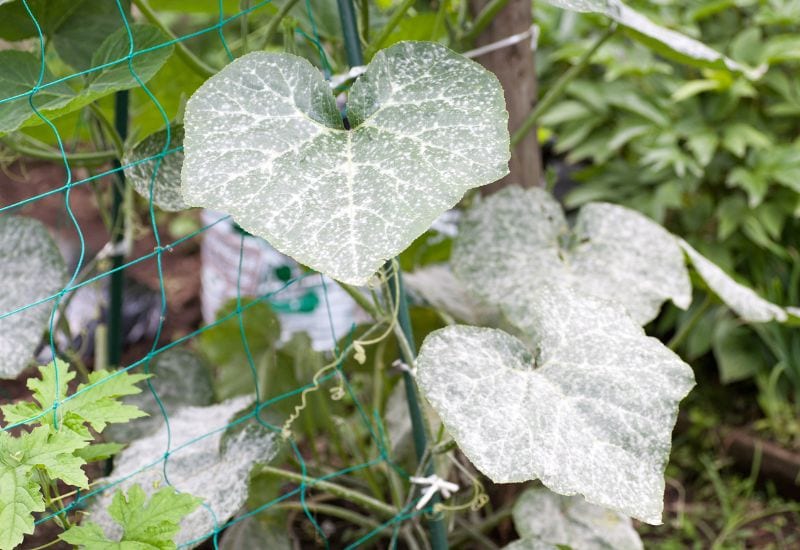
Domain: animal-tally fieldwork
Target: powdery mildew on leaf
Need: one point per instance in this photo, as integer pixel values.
(587, 408)
(543, 516)
(517, 239)
(31, 268)
(180, 379)
(745, 302)
(265, 143)
(167, 181)
(201, 468)
(678, 42)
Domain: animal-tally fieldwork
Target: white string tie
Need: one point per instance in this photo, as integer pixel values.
(435, 484)
(400, 365)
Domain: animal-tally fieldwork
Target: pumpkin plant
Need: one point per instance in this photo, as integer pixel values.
(563, 387)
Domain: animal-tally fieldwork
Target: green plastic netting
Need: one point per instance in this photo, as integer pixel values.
(377, 456)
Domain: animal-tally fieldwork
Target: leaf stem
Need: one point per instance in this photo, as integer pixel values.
(388, 29)
(84, 159)
(335, 489)
(335, 511)
(190, 59)
(489, 523)
(272, 26)
(556, 90)
(362, 301)
(475, 534)
(112, 133)
(243, 25)
(364, 13)
(484, 18)
(677, 340)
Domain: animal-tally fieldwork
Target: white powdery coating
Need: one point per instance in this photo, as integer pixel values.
(167, 182)
(544, 516)
(201, 468)
(31, 268)
(678, 42)
(745, 302)
(517, 239)
(265, 143)
(437, 286)
(592, 413)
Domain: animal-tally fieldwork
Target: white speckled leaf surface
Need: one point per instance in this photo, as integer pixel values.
(203, 468)
(265, 143)
(31, 268)
(681, 44)
(744, 301)
(587, 407)
(544, 516)
(517, 239)
(167, 182)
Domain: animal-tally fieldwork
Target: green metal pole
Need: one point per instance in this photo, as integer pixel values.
(352, 44)
(117, 285)
(436, 527)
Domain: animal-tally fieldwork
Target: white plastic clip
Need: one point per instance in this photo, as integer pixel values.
(400, 365)
(435, 484)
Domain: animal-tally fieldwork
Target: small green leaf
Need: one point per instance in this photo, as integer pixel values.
(166, 182)
(96, 403)
(588, 406)
(735, 351)
(31, 269)
(693, 88)
(145, 523)
(20, 459)
(83, 32)
(199, 464)
(151, 54)
(53, 451)
(266, 131)
(19, 498)
(99, 451)
(222, 345)
(738, 136)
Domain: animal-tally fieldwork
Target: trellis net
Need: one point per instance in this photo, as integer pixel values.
(242, 441)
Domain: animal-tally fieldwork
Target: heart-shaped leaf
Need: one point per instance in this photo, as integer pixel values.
(518, 239)
(541, 516)
(31, 269)
(265, 143)
(587, 408)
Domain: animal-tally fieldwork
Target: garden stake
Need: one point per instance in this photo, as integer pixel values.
(117, 286)
(394, 282)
